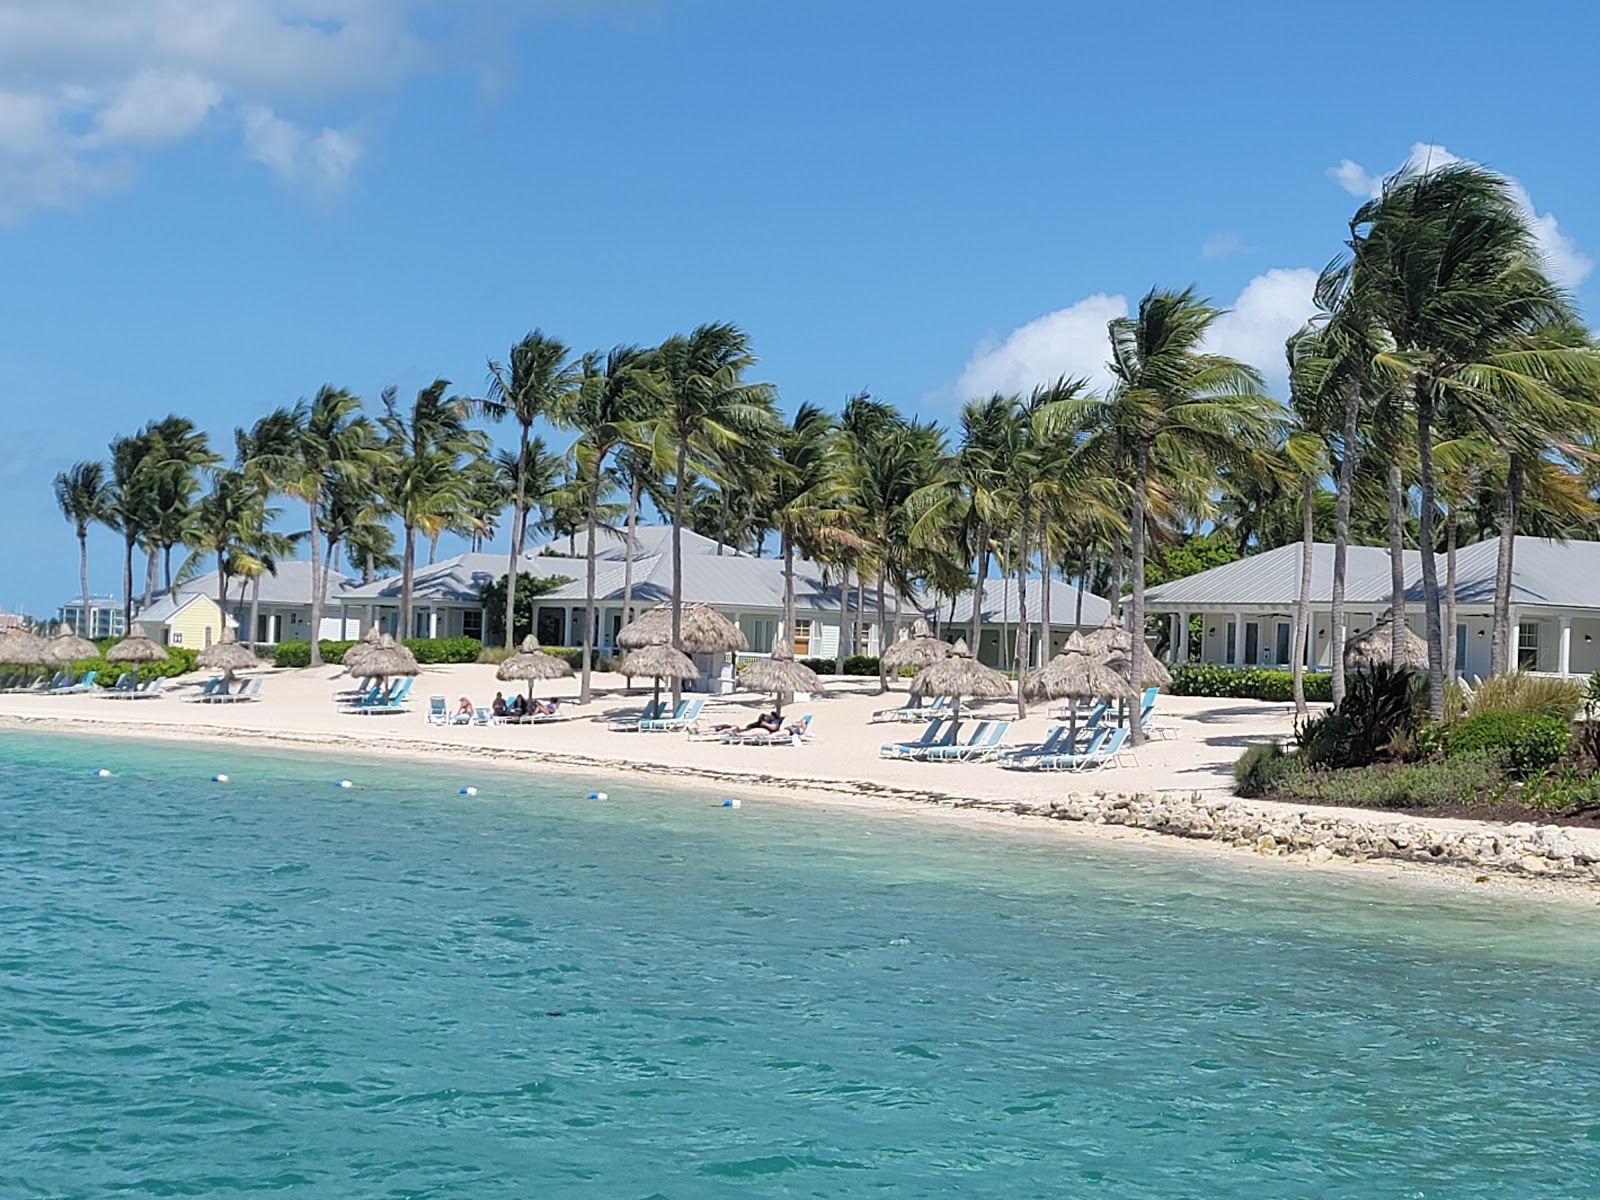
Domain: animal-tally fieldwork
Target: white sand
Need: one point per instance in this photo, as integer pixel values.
(840, 767)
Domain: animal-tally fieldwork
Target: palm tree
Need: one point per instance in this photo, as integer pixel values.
(130, 504)
(1173, 403)
(83, 497)
(606, 409)
(804, 494)
(1447, 264)
(704, 407)
(224, 521)
(536, 379)
(270, 440)
(425, 484)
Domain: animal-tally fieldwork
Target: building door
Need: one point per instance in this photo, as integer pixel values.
(551, 627)
(1252, 642)
(1281, 644)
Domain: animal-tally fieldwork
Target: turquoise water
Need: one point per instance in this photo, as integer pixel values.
(398, 991)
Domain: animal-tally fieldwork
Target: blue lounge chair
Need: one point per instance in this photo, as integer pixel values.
(940, 732)
(687, 714)
(1057, 741)
(915, 711)
(651, 712)
(1067, 752)
(85, 684)
(789, 735)
(249, 690)
(985, 740)
(436, 711)
(1105, 751)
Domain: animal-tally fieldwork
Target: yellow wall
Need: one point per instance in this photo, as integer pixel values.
(197, 626)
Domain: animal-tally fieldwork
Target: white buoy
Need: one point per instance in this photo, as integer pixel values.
(731, 802)
(344, 783)
(102, 773)
(469, 791)
(219, 779)
(598, 796)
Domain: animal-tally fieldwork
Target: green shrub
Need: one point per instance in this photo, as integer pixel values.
(854, 664)
(441, 650)
(1462, 781)
(1522, 693)
(1567, 791)
(180, 661)
(1247, 683)
(298, 654)
(1261, 768)
(1382, 712)
(1524, 743)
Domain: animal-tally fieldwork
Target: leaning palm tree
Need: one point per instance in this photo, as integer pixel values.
(704, 407)
(606, 408)
(1447, 264)
(1173, 403)
(131, 503)
(223, 523)
(83, 496)
(536, 379)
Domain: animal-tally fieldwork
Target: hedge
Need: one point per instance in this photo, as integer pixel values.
(180, 661)
(1524, 743)
(427, 651)
(1247, 683)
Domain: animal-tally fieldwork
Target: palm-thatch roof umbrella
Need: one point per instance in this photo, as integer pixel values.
(649, 628)
(919, 650)
(385, 659)
(1152, 671)
(1376, 647)
(352, 657)
(67, 647)
(227, 656)
(704, 630)
(531, 663)
(958, 675)
(136, 650)
(19, 648)
(1076, 674)
(780, 676)
(659, 661)
(1111, 640)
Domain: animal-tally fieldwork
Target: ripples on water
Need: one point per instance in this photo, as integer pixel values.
(272, 985)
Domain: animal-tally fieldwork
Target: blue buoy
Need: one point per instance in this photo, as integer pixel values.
(344, 783)
(219, 779)
(102, 773)
(469, 791)
(730, 802)
(598, 796)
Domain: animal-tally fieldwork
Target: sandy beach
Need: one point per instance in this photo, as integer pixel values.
(840, 766)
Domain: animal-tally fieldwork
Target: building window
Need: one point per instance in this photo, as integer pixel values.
(802, 637)
(1233, 642)
(1528, 646)
(472, 623)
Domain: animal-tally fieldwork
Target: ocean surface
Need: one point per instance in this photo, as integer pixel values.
(274, 985)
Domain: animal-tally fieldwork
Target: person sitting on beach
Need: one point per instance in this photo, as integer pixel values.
(544, 708)
(499, 706)
(464, 711)
(518, 706)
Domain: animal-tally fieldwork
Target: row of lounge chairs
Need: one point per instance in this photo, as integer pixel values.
(216, 691)
(439, 714)
(61, 683)
(793, 734)
(656, 719)
(938, 742)
(129, 688)
(1063, 749)
(379, 701)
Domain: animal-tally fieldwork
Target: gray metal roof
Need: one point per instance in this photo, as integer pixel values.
(1000, 604)
(452, 580)
(730, 582)
(159, 612)
(1545, 573)
(291, 584)
(648, 541)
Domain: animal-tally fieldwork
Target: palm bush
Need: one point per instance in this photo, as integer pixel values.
(1524, 693)
(1381, 713)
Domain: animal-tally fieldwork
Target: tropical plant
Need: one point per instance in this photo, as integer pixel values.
(84, 498)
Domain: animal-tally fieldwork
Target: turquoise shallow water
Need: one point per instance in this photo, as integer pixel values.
(397, 991)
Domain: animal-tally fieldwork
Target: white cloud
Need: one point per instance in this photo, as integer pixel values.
(90, 87)
(1069, 341)
(1568, 265)
(1224, 245)
(1072, 341)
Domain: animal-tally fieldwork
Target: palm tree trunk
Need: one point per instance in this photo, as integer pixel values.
(788, 586)
(1397, 563)
(677, 555)
(1083, 582)
(1046, 636)
(408, 575)
(255, 611)
(634, 491)
(316, 589)
(588, 602)
(1502, 652)
(859, 625)
(883, 644)
(1430, 562)
(1302, 608)
(519, 529)
(844, 618)
(83, 580)
(977, 591)
(166, 566)
(1116, 576)
(152, 572)
(1451, 533)
(1024, 641)
(1141, 475)
(127, 586)
(1341, 539)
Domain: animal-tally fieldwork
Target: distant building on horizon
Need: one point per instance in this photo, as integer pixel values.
(104, 619)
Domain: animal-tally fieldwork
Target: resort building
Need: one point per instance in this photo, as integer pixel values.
(97, 617)
(1245, 609)
(190, 620)
(282, 604)
(1002, 618)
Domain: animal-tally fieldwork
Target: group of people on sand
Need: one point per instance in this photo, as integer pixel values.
(518, 707)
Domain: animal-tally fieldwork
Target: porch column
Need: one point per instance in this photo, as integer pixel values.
(1566, 646)
(433, 622)
(1238, 639)
(1514, 635)
(1181, 642)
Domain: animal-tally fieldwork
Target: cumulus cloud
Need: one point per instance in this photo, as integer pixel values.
(1072, 341)
(1568, 265)
(90, 88)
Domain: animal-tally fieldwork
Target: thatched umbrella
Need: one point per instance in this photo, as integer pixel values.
(386, 658)
(919, 650)
(1376, 646)
(67, 647)
(531, 663)
(958, 675)
(659, 661)
(136, 650)
(227, 656)
(1111, 640)
(1076, 674)
(704, 630)
(779, 676)
(352, 657)
(1153, 672)
(19, 648)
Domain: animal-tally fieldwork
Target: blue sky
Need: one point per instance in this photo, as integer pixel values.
(212, 207)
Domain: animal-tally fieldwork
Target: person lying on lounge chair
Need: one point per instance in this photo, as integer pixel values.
(767, 722)
(543, 708)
